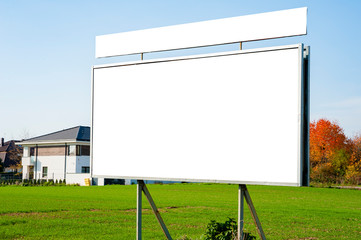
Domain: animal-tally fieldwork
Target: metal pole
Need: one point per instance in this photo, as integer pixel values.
(155, 210)
(139, 211)
(253, 211)
(240, 201)
(240, 213)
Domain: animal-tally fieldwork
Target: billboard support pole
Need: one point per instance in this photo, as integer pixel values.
(254, 215)
(240, 213)
(139, 211)
(141, 187)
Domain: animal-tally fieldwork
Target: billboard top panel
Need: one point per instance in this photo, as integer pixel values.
(254, 27)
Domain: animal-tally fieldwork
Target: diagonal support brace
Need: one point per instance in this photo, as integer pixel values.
(143, 187)
(253, 211)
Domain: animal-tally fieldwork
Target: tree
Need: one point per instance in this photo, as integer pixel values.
(12, 160)
(15, 158)
(353, 172)
(330, 151)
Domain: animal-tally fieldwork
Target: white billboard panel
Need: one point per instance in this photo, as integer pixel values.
(230, 117)
(285, 23)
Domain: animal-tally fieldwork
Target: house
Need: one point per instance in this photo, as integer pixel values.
(10, 156)
(62, 155)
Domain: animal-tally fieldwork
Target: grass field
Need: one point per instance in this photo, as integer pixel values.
(109, 212)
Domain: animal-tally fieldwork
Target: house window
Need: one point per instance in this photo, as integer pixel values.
(78, 150)
(82, 150)
(32, 151)
(45, 172)
(85, 169)
(71, 150)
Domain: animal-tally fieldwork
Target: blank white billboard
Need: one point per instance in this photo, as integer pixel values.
(285, 23)
(230, 117)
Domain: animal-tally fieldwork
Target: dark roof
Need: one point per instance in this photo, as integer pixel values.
(4, 148)
(79, 133)
(7, 145)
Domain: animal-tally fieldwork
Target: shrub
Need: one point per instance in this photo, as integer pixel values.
(25, 183)
(353, 174)
(323, 173)
(224, 231)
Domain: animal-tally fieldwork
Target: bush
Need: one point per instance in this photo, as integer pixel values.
(34, 182)
(353, 174)
(323, 173)
(224, 231)
(25, 183)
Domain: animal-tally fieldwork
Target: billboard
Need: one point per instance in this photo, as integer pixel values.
(261, 26)
(234, 117)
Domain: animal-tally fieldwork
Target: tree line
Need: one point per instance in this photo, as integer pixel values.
(334, 158)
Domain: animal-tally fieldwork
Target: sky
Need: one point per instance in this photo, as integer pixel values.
(47, 50)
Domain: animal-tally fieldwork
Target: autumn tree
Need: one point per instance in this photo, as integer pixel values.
(353, 172)
(330, 151)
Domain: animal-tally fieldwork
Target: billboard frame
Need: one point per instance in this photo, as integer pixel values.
(303, 112)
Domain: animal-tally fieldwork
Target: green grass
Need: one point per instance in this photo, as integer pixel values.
(109, 212)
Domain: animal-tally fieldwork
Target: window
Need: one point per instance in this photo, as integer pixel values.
(32, 150)
(78, 150)
(82, 150)
(85, 169)
(31, 172)
(45, 171)
(71, 150)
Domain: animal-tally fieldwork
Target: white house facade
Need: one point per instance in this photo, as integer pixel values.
(62, 155)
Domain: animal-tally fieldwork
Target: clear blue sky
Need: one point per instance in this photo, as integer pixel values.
(47, 49)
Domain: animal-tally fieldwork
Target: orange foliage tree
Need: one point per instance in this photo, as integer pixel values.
(330, 151)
